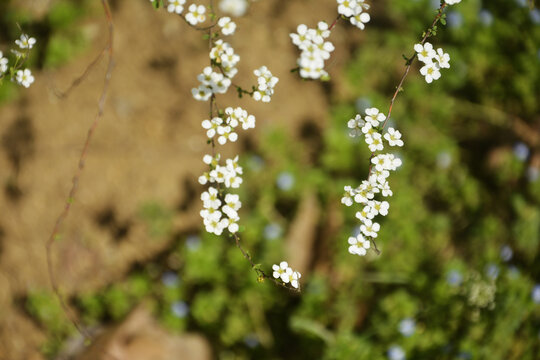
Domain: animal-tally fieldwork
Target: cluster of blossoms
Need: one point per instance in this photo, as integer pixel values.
(22, 77)
(381, 164)
(286, 274)
(433, 61)
(355, 11)
(315, 50)
(195, 15)
(266, 83)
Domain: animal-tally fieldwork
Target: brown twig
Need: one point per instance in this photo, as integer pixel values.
(71, 197)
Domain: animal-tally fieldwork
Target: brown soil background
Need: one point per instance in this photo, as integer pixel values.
(147, 147)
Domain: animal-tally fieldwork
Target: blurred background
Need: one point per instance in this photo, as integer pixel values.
(459, 272)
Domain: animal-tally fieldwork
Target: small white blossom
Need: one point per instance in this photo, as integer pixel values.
(25, 42)
(25, 78)
(370, 228)
(443, 59)
(358, 245)
(3, 63)
(210, 198)
(211, 126)
(360, 19)
(425, 52)
(355, 125)
(393, 137)
(374, 142)
(348, 196)
(282, 271)
(176, 6)
(266, 83)
(227, 26)
(452, 2)
(374, 117)
(431, 72)
(196, 14)
(202, 93)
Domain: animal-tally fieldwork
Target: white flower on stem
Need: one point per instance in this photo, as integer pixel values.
(220, 84)
(452, 2)
(219, 174)
(25, 42)
(385, 189)
(301, 37)
(210, 198)
(370, 228)
(381, 162)
(358, 245)
(347, 198)
(443, 59)
(374, 142)
(293, 278)
(3, 63)
(232, 222)
(374, 117)
(232, 204)
(206, 76)
(393, 137)
(266, 83)
(211, 214)
(196, 14)
(425, 52)
(431, 72)
(176, 6)
(226, 133)
(360, 19)
(355, 125)
(347, 7)
(379, 207)
(202, 93)
(367, 213)
(25, 78)
(204, 178)
(227, 26)
(214, 226)
(232, 165)
(211, 126)
(232, 180)
(282, 271)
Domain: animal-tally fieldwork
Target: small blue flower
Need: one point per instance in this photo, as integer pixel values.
(272, 231)
(193, 242)
(395, 352)
(532, 173)
(535, 16)
(485, 17)
(506, 253)
(521, 3)
(179, 309)
(535, 294)
(454, 19)
(492, 271)
(285, 181)
(170, 279)
(407, 327)
(521, 151)
(454, 278)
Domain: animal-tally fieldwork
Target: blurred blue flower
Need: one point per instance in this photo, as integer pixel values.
(521, 151)
(444, 159)
(454, 278)
(407, 327)
(169, 279)
(492, 271)
(454, 19)
(272, 231)
(251, 340)
(485, 17)
(395, 352)
(506, 253)
(285, 181)
(535, 16)
(532, 173)
(255, 163)
(179, 309)
(521, 3)
(535, 294)
(193, 242)
(361, 104)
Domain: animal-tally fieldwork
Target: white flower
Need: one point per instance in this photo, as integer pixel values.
(442, 58)
(211, 126)
(293, 278)
(282, 271)
(452, 2)
(356, 126)
(359, 245)
(374, 117)
(227, 26)
(348, 196)
(176, 6)
(360, 19)
(425, 52)
(370, 228)
(232, 204)
(196, 14)
(431, 72)
(210, 198)
(233, 7)
(25, 42)
(347, 7)
(202, 93)
(232, 165)
(3, 63)
(374, 142)
(385, 189)
(226, 133)
(25, 78)
(266, 85)
(214, 226)
(393, 137)
(232, 180)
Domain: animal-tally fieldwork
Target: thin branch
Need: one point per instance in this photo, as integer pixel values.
(71, 197)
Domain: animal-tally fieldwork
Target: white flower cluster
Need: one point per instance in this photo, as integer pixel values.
(223, 54)
(452, 2)
(315, 50)
(195, 15)
(433, 61)
(381, 165)
(286, 274)
(227, 26)
(266, 83)
(217, 217)
(228, 175)
(355, 11)
(211, 83)
(23, 77)
(225, 129)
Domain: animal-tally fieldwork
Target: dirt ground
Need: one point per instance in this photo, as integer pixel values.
(147, 147)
